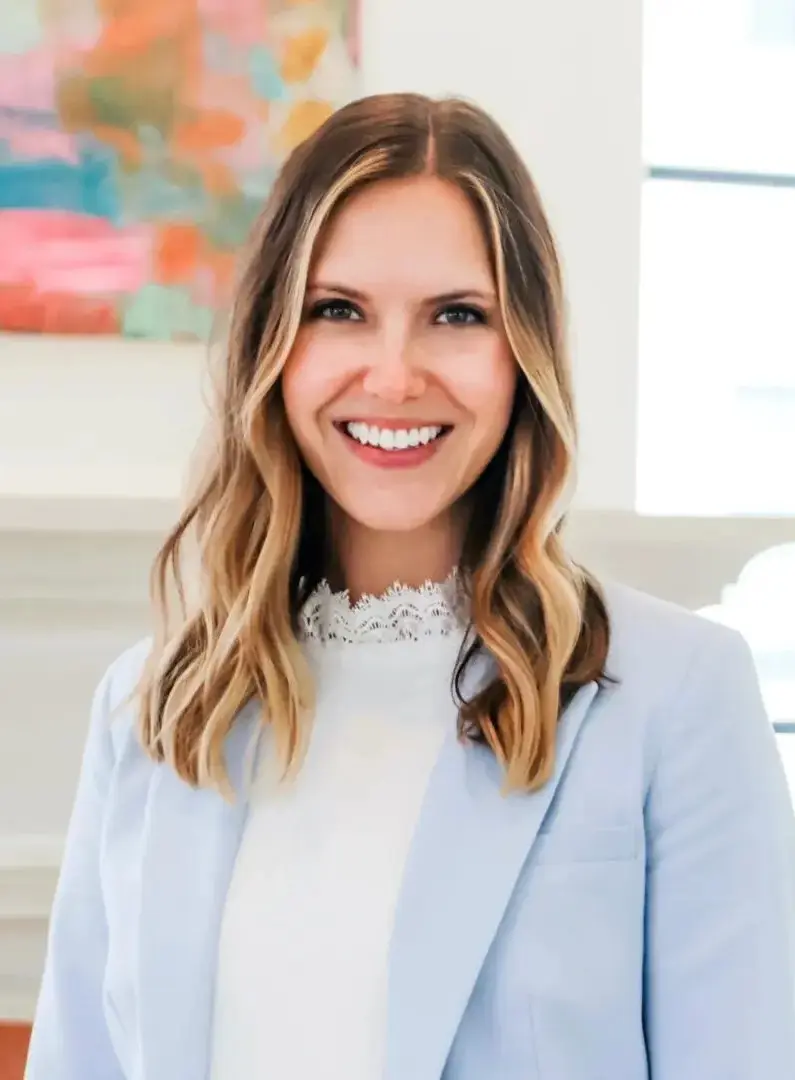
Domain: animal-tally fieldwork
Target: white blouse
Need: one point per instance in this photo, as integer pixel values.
(303, 952)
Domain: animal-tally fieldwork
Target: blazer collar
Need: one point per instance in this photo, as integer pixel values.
(465, 859)
(191, 842)
(467, 855)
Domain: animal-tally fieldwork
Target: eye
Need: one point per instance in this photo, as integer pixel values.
(461, 315)
(336, 310)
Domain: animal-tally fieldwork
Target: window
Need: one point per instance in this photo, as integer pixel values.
(717, 348)
(773, 21)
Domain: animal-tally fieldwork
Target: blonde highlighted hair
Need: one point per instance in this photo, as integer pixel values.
(255, 522)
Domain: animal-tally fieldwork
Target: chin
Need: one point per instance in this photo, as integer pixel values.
(397, 516)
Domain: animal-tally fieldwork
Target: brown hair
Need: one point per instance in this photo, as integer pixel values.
(539, 616)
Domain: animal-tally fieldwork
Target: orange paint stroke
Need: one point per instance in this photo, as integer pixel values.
(302, 54)
(212, 128)
(25, 310)
(219, 179)
(176, 253)
(133, 26)
(129, 37)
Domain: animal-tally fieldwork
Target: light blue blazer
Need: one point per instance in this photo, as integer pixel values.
(633, 919)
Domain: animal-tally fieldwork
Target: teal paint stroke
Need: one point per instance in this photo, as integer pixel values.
(160, 312)
(264, 74)
(256, 186)
(149, 196)
(159, 189)
(228, 224)
(89, 187)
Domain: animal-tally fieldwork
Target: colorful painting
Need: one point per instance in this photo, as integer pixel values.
(138, 141)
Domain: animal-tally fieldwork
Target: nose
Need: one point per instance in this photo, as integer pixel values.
(392, 375)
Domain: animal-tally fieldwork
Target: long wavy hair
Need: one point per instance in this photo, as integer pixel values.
(230, 579)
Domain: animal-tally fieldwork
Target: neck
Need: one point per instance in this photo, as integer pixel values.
(369, 562)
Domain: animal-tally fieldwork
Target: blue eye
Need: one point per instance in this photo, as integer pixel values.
(461, 315)
(335, 311)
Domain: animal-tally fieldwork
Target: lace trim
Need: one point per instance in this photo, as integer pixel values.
(401, 613)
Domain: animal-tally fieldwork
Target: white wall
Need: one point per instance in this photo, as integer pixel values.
(564, 78)
(98, 417)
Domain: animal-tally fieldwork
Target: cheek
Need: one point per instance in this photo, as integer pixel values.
(486, 388)
(309, 381)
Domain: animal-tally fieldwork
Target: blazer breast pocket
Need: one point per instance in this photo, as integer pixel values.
(569, 845)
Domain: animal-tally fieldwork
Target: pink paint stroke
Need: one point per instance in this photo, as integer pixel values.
(242, 21)
(33, 142)
(28, 81)
(64, 252)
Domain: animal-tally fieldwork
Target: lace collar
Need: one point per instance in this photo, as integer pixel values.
(402, 613)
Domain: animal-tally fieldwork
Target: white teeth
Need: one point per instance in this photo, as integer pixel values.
(391, 438)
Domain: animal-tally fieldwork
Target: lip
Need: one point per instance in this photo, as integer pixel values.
(409, 458)
(390, 425)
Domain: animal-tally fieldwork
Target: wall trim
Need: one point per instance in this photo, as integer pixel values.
(70, 559)
(17, 1006)
(83, 514)
(28, 874)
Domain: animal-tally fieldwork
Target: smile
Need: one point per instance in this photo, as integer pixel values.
(393, 447)
(393, 438)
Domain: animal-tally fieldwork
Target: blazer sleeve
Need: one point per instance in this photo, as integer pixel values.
(70, 1039)
(719, 986)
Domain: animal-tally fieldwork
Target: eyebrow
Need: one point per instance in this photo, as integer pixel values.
(440, 298)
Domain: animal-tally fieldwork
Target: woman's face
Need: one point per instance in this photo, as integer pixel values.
(401, 383)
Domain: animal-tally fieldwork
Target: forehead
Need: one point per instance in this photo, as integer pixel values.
(421, 230)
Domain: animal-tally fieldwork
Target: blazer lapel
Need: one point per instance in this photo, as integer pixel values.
(469, 849)
(191, 841)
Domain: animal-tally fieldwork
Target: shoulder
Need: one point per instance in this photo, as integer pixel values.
(123, 674)
(690, 686)
(113, 711)
(674, 671)
(660, 642)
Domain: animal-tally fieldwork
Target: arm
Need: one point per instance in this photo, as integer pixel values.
(70, 1040)
(719, 995)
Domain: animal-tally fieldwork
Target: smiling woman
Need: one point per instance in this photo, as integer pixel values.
(401, 277)
(483, 815)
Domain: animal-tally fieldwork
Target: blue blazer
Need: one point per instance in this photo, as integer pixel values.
(633, 919)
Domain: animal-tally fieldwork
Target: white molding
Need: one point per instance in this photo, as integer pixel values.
(17, 1006)
(86, 513)
(29, 868)
(81, 569)
(28, 875)
(35, 852)
(99, 552)
(688, 561)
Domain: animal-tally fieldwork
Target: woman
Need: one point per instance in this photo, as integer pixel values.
(403, 792)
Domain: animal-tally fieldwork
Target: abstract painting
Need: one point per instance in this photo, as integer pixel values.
(138, 141)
